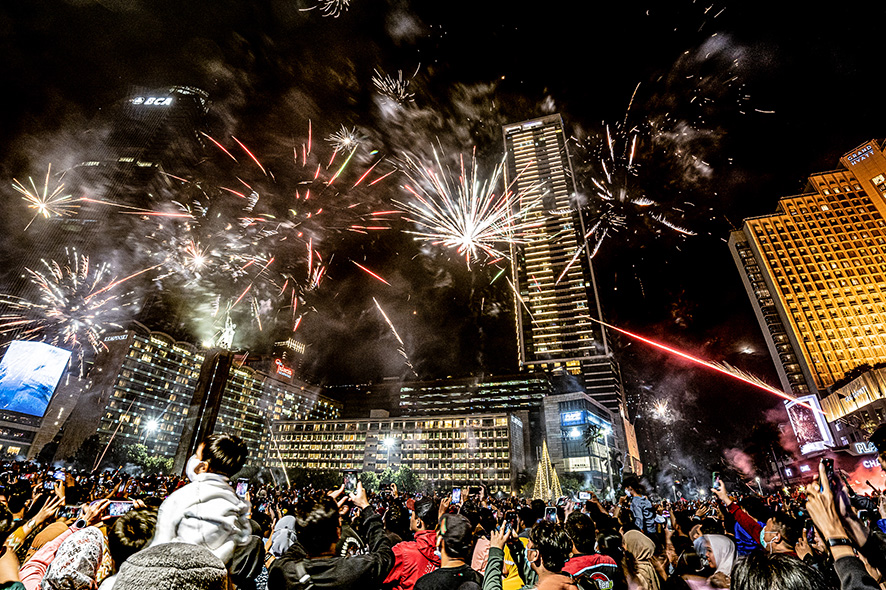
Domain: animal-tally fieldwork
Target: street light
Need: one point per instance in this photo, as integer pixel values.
(759, 487)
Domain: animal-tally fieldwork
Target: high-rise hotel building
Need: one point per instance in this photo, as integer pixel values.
(555, 330)
(815, 271)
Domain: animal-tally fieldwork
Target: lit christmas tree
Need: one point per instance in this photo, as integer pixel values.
(547, 484)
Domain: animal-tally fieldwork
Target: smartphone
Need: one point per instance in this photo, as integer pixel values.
(810, 530)
(551, 514)
(561, 501)
(350, 481)
(70, 511)
(119, 508)
(511, 519)
(832, 477)
(60, 474)
(263, 507)
(49, 485)
(456, 495)
(715, 480)
(242, 487)
(584, 495)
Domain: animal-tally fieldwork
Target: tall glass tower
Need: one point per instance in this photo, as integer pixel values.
(555, 288)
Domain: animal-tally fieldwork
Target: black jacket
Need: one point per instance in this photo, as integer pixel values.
(357, 572)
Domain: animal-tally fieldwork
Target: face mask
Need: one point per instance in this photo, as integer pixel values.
(763, 538)
(191, 468)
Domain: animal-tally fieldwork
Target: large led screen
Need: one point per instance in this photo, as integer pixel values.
(809, 426)
(29, 374)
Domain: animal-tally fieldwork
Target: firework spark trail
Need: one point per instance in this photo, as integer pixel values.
(720, 368)
(464, 212)
(402, 349)
(48, 203)
(366, 270)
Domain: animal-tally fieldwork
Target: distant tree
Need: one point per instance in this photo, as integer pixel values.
(572, 483)
(150, 463)
(370, 481)
(407, 480)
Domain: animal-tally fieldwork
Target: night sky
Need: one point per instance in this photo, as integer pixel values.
(762, 94)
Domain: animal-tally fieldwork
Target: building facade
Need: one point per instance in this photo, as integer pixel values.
(815, 272)
(141, 391)
(555, 299)
(443, 450)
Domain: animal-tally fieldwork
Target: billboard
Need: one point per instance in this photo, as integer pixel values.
(29, 374)
(809, 426)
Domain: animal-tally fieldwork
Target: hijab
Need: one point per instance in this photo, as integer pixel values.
(724, 552)
(642, 548)
(283, 536)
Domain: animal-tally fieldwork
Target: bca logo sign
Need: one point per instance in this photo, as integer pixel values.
(160, 101)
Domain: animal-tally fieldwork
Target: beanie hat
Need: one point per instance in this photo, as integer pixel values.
(172, 566)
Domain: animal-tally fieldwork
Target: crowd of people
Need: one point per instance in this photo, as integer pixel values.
(72, 531)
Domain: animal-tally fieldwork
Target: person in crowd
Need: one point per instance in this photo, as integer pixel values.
(396, 521)
(776, 570)
(9, 565)
(481, 545)
(517, 576)
(642, 549)
(174, 566)
(87, 550)
(585, 562)
(454, 538)
(778, 535)
(284, 536)
(313, 561)
(208, 511)
(128, 535)
(640, 505)
(414, 559)
(720, 553)
(843, 537)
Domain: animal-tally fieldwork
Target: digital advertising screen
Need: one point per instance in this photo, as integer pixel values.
(809, 426)
(29, 374)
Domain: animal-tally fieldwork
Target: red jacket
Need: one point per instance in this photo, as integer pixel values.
(746, 521)
(412, 560)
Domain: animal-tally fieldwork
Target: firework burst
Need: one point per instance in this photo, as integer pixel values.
(48, 202)
(393, 89)
(75, 305)
(345, 140)
(463, 211)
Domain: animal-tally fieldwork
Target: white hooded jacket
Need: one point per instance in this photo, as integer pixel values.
(205, 512)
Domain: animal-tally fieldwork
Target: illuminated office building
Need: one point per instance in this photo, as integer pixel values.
(555, 306)
(142, 388)
(815, 272)
(444, 451)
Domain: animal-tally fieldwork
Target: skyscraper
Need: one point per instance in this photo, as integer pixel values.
(555, 293)
(815, 272)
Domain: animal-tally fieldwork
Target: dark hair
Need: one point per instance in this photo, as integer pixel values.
(131, 533)
(487, 520)
(778, 570)
(754, 506)
(472, 512)
(426, 510)
(581, 530)
(224, 453)
(316, 522)
(688, 561)
(264, 521)
(788, 527)
(457, 534)
(633, 482)
(552, 542)
(396, 520)
(683, 520)
(538, 512)
(712, 526)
